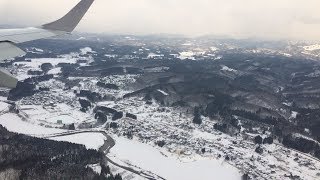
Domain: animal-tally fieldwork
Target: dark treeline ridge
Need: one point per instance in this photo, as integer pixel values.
(25, 157)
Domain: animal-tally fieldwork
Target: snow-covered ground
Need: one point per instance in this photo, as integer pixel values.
(162, 92)
(36, 63)
(81, 38)
(15, 124)
(2, 98)
(186, 55)
(285, 54)
(218, 58)
(312, 47)
(214, 48)
(171, 166)
(154, 55)
(153, 122)
(3, 106)
(187, 44)
(55, 71)
(95, 167)
(293, 114)
(56, 115)
(90, 140)
(126, 175)
(226, 68)
(86, 50)
(66, 119)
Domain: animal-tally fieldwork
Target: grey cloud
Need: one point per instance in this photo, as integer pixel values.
(237, 18)
(309, 20)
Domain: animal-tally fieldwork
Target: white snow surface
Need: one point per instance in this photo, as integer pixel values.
(286, 54)
(126, 175)
(162, 92)
(186, 55)
(3, 106)
(316, 73)
(15, 124)
(2, 98)
(90, 140)
(55, 71)
(110, 55)
(38, 49)
(95, 167)
(218, 58)
(86, 50)
(287, 103)
(66, 119)
(154, 55)
(312, 47)
(63, 112)
(214, 48)
(204, 135)
(81, 38)
(171, 166)
(298, 135)
(293, 114)
(187, 44)
(36, 63)
(226, 68)
(34, 50)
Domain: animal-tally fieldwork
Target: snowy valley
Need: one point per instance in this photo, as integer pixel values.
(192, 110)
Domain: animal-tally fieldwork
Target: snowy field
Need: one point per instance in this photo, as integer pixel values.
(55, 70)
(2, 98)
(36, 63)
(51, 116)
(3, 106)
(15, 124)
(226, 68)
(186, 55)
(66, 119)
(170, 166)
(90, 140)
(312, 47)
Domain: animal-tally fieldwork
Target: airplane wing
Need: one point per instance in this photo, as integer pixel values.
(10, 37)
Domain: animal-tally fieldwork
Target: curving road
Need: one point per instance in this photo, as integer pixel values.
(105, 148)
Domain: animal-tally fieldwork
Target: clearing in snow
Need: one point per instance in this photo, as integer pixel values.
(171, 166)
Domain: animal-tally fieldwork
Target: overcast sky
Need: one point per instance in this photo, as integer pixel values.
(293, 19)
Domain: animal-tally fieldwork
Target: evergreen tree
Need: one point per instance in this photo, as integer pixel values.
(258, 139)
(197, 116)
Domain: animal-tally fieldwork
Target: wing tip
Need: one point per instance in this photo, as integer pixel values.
(7, 80)
(9, 50)
(70, 21)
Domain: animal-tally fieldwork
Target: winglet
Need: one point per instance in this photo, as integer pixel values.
(7, 80)
(9, 50)
(69, 22)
